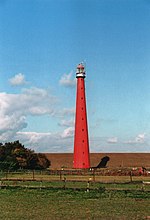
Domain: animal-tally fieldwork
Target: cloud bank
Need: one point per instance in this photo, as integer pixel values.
(14, 112)
(47, 142)
(15, 109)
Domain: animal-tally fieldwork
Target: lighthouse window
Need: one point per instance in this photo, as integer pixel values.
(82, 129)
(81, 97)
(83, 152)
(83, 141)
(82, 108)
(82, 119)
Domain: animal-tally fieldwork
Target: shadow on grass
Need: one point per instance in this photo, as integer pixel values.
(103, 162)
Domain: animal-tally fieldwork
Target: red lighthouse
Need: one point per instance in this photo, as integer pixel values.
(81, 141)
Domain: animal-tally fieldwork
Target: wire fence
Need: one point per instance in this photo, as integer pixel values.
(99, 175)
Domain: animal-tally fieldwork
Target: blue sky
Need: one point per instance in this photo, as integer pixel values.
(42, 41)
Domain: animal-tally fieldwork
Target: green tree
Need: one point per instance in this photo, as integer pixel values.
(13, 156)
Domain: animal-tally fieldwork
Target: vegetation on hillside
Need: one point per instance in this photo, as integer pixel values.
(14, 156)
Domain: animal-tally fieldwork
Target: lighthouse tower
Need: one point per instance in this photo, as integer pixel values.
(81, 142)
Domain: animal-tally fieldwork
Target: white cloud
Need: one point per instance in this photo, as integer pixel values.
(16, 107)
(112, 140)
(140, 138)
(17, 80)
(46, 142)
(68, 132)
(67, 123)
(68, 111)
(63, 142)
(67, 81)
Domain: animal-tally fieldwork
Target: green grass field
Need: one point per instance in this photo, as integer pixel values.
(19, 204)
(52, 198)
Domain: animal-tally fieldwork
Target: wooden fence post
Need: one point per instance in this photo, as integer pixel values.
(33, 175)
(6, 175)
(131, 176)
(88, 186)
(94, 175)
(64, 182)
(60, 175)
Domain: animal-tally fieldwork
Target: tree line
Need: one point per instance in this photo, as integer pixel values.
(14, 156)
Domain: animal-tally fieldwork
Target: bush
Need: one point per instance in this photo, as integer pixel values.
(13, 156)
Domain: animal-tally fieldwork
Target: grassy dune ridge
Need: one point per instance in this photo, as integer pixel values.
(59, 160)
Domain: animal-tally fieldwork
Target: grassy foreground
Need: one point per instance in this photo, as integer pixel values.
(19, 204)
